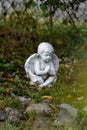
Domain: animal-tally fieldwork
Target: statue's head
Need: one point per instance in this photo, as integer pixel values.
(45, 50)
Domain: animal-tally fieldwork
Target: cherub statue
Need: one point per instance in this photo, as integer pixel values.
(42, 66)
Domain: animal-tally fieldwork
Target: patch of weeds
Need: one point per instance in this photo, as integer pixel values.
(46, 91)
(14, 102)
(2, 90)
(21, 83)
(2, 103)
(6, 66)
(82, 121)
(8, 126)
(37, 97)
(29, 123)
(7, 87)
(32, 115)
(19, 87)
(29, 93)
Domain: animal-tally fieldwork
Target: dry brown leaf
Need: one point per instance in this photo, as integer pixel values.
(7, 90)
(80, 98)
(10, 79)
(69, 96)
(47, 97)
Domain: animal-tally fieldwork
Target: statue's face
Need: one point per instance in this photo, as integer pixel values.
(46, 55)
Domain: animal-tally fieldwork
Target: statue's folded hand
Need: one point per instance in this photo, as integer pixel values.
(47, 68)
(37, 79)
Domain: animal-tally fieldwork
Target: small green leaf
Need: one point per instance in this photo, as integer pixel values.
(63, 8)
(29, 4)
(53, 2)
(2, 89)
(43, 7)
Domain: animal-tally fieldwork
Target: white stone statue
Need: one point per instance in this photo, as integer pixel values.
(42, 66)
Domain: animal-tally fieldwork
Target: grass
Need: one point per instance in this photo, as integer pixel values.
(8, 126)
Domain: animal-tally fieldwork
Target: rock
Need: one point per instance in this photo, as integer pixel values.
(2, 116)
(13, 115)
(40, 108)
(21, 99)
(67, 115)
(41, 113)
(41, 123)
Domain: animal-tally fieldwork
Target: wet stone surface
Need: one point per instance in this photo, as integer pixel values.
(2, 116)
(67, 115)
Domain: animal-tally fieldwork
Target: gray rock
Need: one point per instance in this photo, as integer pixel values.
(41, 123)
(2, 116)
(67, 115)
(40, 108)
(13, 115)
(21, 98)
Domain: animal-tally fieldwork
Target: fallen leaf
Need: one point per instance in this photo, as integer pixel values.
(69, 96)
(47, 97)
(39, 88)
(10, 79)
(80, 98)
(85, 108)
(7, 90)
(67, 66)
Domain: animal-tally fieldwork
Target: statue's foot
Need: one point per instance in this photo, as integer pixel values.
(41, 86)
(49, 86)
(32, 83)
(44, 86)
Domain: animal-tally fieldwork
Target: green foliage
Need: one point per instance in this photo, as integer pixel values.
(8, 101)
(32, 115)
(63, 5)
(15, 103)
(29, 4)
(2, 103)
(8, 126)
(50, 7)
(2, 89)
(6, 66)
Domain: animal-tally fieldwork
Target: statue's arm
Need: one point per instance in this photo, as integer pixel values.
(52, 70)
(41, 72)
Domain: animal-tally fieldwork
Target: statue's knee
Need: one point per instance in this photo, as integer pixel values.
(40, 81)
